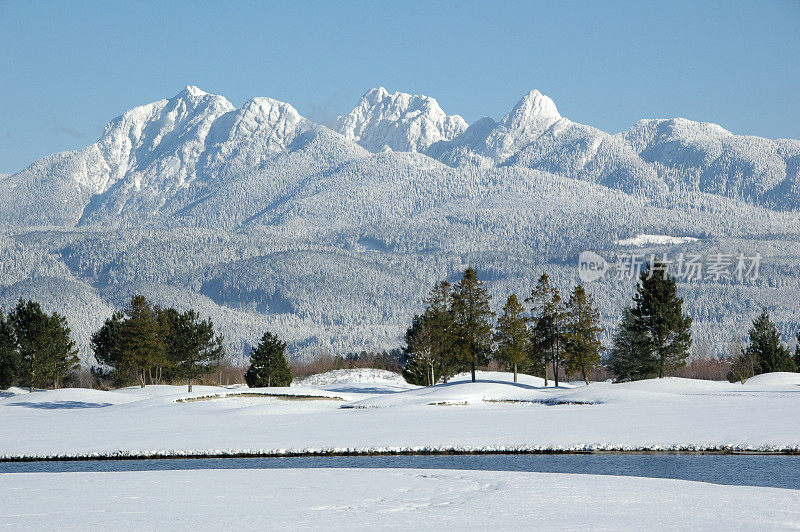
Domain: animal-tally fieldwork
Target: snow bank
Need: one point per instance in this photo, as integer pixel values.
(503, 376)
(781, 379)
(352, 376)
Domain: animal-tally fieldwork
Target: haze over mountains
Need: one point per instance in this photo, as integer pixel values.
(261, 218)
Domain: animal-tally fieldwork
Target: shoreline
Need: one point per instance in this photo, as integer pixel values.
(200, 455)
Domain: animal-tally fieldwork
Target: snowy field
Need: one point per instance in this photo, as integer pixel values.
(374, 412)
(367, 499)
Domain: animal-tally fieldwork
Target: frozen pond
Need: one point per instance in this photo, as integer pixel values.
(779, 471)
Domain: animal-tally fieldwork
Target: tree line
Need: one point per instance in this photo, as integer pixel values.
(456, 332)
(148, 344)
(143, 344)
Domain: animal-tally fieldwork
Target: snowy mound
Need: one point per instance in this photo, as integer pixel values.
(658, 240)
(352, 376)
(502, 376)
(779, 378)
(490, 386)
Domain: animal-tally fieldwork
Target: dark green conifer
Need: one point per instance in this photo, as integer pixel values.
(268, 366)
(512, 335)
(583, 330)
(766, 347)
(44, 345)
(472, 322)
(9, 357)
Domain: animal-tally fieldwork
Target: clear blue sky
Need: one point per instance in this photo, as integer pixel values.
(67, 68)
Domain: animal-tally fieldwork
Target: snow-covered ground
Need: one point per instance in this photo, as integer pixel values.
(658, 240)
(353, 376)
(368, 499)
(349, 414)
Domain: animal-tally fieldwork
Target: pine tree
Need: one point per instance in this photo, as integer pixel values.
(766, 347)
(9, 357)
(512, 336)
(106, 345)
(44, 345)
(268, 366)
(472, 321)
(141, 340)
(625, 360)
(192, 347)
(429, 340)
(583, 346)
(797, 352)
(744, 366)
(548, 317)
(664, 331)
(419, 365)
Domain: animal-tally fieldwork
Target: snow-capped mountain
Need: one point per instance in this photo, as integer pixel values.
(400, 121)
(262, 219)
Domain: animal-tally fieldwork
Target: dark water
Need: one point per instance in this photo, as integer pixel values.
(778, 471)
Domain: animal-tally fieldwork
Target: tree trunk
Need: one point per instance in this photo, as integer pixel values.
(515, 372)
(472, 367)
(190, 385)
(585, 377)
(555, 373)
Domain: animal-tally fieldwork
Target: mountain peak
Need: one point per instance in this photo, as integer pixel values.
(532, 111)
(192, 90)
(401, 121)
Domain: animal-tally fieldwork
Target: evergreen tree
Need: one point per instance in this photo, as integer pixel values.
(744, 366)
(766, 347)
(106, 345)
(664, 331)
(797, 352)
(629, 358)
(43, 344)
(192, 347)
(141, 341)
(472, 321)
(169, 325)
(583, 346)
(429, 340)
(548, 316)
(268, 366)
(419, 362)
(9, 357)
(512, 336)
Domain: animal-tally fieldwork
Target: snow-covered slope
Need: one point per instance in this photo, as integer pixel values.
(704, 156)
(400, 121)
(352, 376)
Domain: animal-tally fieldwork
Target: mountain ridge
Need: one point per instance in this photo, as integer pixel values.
(263, 219)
